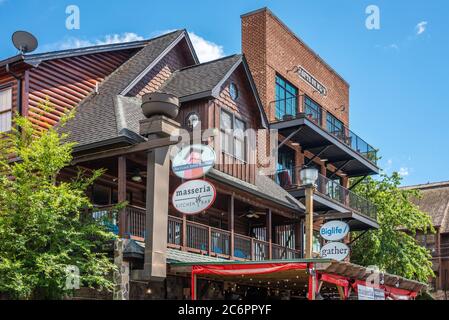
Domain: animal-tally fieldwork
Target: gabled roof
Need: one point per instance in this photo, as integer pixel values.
(264, 187)
(206, 79)
(435, 201)
(201, 80)
(36, 58)
(96, 121)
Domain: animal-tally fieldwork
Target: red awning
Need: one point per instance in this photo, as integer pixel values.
(247, 269)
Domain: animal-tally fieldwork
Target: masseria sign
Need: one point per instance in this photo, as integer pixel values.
(334, 230)
(194, 196)
(193, 161)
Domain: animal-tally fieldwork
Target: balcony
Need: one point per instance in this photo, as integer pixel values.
(330, 196)
(199, 238)
(319, 132)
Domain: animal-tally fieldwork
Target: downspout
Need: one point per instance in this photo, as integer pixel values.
(19, 89)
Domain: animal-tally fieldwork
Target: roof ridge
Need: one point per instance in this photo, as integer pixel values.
(209, 62)
(430, 185)
(111, 46)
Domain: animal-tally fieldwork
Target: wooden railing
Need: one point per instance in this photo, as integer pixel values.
(198, 238)
(204, 239)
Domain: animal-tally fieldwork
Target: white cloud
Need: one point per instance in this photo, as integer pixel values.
(73, 43)
(421, 27)
(404, 172)
(206, 50)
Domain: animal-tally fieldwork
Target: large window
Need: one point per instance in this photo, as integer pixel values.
(5, 109)
(233, 139)
(312, 110)
(335, 126)
(286, 98)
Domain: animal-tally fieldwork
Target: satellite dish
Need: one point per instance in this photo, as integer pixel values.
(24, 41)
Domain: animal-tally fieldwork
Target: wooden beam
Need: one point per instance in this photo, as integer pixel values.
(269, 229)
(122, 195)
(143, 146)
(309, 223)
(231, 217)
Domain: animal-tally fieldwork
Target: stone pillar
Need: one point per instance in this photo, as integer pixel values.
(121, 275)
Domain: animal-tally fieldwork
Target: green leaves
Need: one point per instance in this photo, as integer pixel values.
(392, 247)
(40, 228)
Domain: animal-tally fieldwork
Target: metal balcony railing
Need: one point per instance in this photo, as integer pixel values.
(290, 178)
(296, 107)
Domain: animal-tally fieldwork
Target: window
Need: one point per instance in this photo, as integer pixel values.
(233, 91)
(233, 139)
(312, 110)
(286, 98)
(335, 126)
(5, 109)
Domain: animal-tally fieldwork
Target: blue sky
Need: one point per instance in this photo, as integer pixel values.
(398, 74)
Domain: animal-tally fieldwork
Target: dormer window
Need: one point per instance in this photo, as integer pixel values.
(5, 109)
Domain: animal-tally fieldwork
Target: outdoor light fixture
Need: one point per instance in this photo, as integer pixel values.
(136, 177)
(308, 176)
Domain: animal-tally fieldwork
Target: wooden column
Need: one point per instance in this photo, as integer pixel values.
(309, 222)
(122, 195)
(269, 234)
(231, 223)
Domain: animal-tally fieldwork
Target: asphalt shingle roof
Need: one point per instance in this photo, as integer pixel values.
(96, 119)
(264, 186)
(199, 78)
(137, 248)
(435, 201)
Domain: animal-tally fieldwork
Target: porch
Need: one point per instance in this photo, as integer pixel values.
(331, 198)
(200, 238)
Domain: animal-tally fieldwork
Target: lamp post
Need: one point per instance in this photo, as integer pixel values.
(308, 178)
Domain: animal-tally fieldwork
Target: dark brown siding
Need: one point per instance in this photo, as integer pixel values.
(66, 82)
(244, 108)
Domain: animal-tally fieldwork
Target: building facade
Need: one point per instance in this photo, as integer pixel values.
(278, 83)
(434, 200)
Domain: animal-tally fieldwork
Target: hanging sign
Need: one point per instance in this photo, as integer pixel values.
(194, 196)
(334, 230)
(311, 80)
(335, 251)
(193, 161)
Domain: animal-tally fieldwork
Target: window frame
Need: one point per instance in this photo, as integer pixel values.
(233, 136)
(8, 87)
(237, 93)
(283, 100)
(319, 110)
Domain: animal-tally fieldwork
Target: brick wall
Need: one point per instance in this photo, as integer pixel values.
(270, 48)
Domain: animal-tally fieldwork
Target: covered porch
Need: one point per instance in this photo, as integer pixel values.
(245, 222)
(297, 279)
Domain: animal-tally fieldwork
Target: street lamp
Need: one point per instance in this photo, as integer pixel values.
(309, 177)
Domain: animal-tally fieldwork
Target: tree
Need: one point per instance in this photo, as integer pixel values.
(392, 247)
(44, 236)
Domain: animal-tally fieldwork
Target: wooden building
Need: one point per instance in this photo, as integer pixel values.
(277, 83)
(434, 200)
